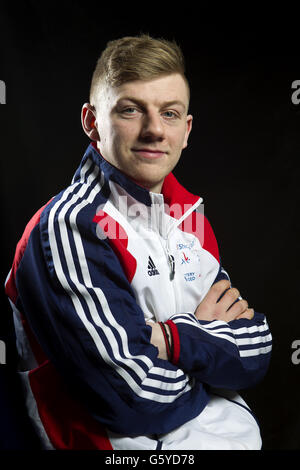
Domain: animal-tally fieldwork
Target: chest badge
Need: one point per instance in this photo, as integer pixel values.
(185, 259)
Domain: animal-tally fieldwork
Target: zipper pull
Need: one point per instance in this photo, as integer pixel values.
(172, 265)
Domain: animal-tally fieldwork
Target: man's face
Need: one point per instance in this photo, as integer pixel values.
(143, 127)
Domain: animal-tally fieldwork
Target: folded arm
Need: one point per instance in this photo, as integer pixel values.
(224, 343)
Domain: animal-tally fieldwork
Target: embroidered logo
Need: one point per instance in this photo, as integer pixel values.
(185, 259)
(152, 271)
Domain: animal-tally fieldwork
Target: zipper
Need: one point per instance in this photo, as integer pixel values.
(171, 258)
(171, 261)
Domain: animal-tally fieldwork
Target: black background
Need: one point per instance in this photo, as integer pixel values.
(242, 156)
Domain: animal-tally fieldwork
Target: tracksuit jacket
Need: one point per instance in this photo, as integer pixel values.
(93, 265)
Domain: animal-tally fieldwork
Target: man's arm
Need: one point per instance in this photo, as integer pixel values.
(224, 343)
(229, 308)
(221, 346)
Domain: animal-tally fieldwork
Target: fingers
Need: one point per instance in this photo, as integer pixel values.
(223, 302)
(229, 297)
(236, 310)
(217, 290)
(248, 314)
(229, 307)
(234, 307)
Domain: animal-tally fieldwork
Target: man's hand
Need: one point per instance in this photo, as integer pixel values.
(211, 309)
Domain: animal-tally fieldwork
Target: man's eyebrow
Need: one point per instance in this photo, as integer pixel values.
(171, 103)
(142, 103)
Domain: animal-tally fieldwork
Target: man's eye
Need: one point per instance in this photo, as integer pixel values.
(170, 114)
(129, 110)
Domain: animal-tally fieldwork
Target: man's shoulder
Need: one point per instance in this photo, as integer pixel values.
(71, 210)
(31, 224)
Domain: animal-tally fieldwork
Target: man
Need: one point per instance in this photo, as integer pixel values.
(128, 328)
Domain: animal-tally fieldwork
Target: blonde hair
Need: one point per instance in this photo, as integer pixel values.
(136, 58)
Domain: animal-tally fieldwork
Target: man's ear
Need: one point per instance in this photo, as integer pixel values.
(189, 121)
(89, 122)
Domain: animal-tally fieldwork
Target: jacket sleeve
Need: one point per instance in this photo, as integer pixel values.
(233, 355)
(81, 308)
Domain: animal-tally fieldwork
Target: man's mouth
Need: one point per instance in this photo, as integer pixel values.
(149, 153)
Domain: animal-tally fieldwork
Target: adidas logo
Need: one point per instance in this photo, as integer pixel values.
(152, 271)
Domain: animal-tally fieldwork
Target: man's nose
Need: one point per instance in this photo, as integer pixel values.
(152, 126)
